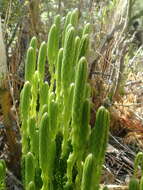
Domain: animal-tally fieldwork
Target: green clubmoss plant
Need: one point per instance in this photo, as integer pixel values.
(138, 162)
(29, 169)
(88, 169)
(2, 175)
(98, 142)
(31, 186)
(134, 184)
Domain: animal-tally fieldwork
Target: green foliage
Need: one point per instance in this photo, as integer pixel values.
(57, 140)
(134, 184)
(138, 161)
(55, 115)
(53, 44)
(43, 141)
(86, 29)
(85, 129)
(29, 169)
(41, 61)
(83, 46)
(67, 22)
(46, 147)
(67, 59)
(141, 183)
(79, 92)
(44, 89)
(31, 186)
(33, 44)
(74, 18)
(88, 170)
(98, 141)
(2, 175)
(58, 72)
(25, 100)
(30, 64)
(34, 140)
(25, 109)
(60, 165)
